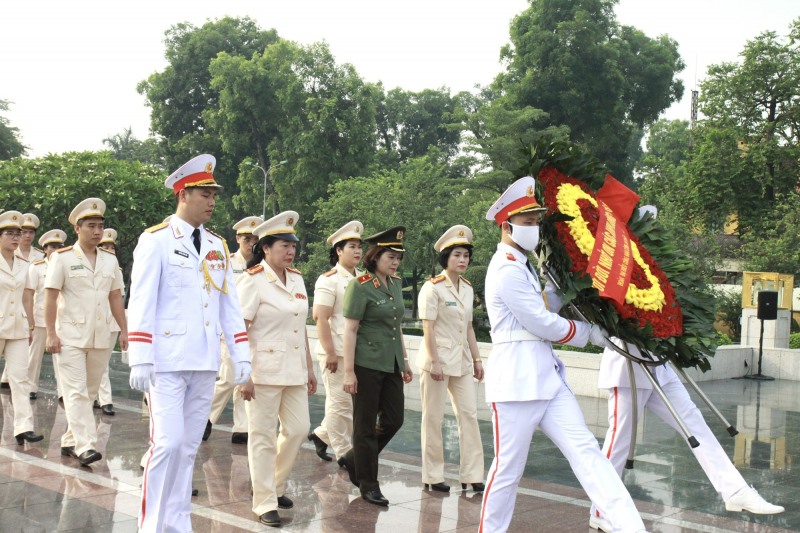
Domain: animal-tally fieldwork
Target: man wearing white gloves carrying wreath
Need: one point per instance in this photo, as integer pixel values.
(183, 297)
(525, 382)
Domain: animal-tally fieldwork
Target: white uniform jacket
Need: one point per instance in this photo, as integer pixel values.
(277, 313)
(329, 291)
(34, 255)
(13, 320)
(451, 309)
(35, 282)
(84, 316)
(238, 264)
(178, 307)
(614, 370)
(522, 365)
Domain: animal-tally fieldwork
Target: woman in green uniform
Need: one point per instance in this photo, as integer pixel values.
(375, 360)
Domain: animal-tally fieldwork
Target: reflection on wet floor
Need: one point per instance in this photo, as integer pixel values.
(42, 491)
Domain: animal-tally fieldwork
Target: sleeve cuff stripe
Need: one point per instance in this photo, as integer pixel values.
(242, 334)
(139, 339)
(570, 334)
(140, 334)
(240, 339)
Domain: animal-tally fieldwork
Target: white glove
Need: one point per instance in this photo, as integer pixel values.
(241, 372)
(599, 337)
(141, 376)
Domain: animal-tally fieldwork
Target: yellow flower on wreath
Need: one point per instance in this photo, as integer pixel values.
(648, 299)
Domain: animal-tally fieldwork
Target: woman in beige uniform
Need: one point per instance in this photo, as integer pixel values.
(336, 427)
(16, 326)
(275, 306)
(448, 360)
(33, 299)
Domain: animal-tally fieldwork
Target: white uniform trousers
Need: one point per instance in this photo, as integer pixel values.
(224, 389)
(104, 392)
(336, 428)
(462, 398)
(16, 353)
(562, 421)
(272, 455)
(712, 457)
(80, 370)
(35, 354)
(179, 403)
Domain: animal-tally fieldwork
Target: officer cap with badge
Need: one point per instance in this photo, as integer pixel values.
(89, 208)
(109, 236)
(392, 239)
(30, 221)
(196, 173)
(352, 231)
(518, 198)
(458, 235)
(10, 220)
(247, 225)
(54, 236)
(280, 226)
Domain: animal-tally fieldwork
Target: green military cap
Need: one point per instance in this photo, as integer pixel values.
(391, 238)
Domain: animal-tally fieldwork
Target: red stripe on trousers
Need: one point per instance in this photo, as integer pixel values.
(613, 432)
(496, 465)
(147, 464)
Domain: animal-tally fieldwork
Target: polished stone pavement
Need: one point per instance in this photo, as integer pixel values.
(41, 491)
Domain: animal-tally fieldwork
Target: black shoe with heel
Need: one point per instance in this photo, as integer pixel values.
(320, 447)
(438, 487)
(476, 487)
(28, 436)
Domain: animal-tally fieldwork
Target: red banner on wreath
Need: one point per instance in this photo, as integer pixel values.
(611, 264)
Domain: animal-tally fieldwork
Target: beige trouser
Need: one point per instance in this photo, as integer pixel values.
(104, 392)
(272, 456)
(223, 389)
(16, 353)
(35, 354)
(336, 428)
(80, 371)
(462, 398)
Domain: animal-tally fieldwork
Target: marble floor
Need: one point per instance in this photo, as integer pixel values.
(41, 491)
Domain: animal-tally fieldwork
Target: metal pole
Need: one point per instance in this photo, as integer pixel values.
(656, 387)
(635, 417)
(732, 431)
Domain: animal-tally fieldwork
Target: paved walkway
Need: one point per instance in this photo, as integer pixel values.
(42, 491)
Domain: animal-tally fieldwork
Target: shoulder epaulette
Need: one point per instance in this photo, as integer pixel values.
(112, 252)
(511, 257)
(330, 272)
(437, 279)
(291, 269)
(465, 280)
(39, 262)
(365, 278)
(215, 234)
(64, 249)
(255, 270)
(153, 229)
(395, 276)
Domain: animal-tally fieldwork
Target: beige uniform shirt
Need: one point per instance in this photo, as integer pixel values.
(84, 315)
(329, 291)
(451, 310)
(35, 282)
(277, 333)
(34, 255)
(238, 264)
(13, 320)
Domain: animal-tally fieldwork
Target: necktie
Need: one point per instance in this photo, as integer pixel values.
(196, 239)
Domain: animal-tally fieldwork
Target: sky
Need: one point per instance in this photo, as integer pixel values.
(70, 68)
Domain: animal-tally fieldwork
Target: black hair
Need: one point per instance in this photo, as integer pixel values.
(258, 249)
(333, 256)
(374, 254)
(444, 255)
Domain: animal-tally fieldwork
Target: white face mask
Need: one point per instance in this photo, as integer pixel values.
(527, 237)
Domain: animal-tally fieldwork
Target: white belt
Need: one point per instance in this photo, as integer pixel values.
(513, 336)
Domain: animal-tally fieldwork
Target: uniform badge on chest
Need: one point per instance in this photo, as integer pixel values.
(215, 260)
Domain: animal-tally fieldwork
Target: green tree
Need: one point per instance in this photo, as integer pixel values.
(125, 146)
(777, 247)
(605, 81)
(10, 145)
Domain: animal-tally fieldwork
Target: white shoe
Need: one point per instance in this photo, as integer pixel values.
(748, 499)
(600, 523)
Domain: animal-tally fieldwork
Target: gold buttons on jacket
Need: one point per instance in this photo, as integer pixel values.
(205, 304)
(206, 322)
(166, 332)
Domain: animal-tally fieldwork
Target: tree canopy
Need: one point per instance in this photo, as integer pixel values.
(10, 144)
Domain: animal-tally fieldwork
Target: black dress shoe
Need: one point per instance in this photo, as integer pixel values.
(476, 487)
(28, 436)
(96, 405)
(270, 518)
(238, 438)
(285, 503)
(207, 431)
(61, 401)
(438, 487)
(4, 385)
(69, 451)
(320, 446)
(32, 396)
(341, 462)
(351, 470)
(374, 496)
(89, 456)
(108, 409)
(195, 492)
